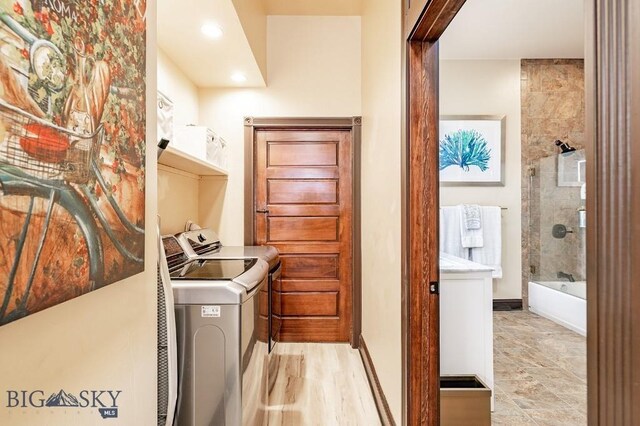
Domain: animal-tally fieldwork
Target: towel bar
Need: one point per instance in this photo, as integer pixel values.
(502, 208)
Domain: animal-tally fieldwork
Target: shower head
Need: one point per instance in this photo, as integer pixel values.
(565, 147)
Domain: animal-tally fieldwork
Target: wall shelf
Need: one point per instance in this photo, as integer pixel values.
(188, 163)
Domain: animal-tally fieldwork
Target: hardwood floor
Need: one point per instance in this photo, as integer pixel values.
(321, 384)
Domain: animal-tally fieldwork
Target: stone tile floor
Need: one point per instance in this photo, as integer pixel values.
(540, 372)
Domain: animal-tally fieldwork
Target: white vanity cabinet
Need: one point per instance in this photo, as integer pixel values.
(466, 319)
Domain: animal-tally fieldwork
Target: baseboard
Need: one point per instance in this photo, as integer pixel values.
(507, 304)
(378, 395)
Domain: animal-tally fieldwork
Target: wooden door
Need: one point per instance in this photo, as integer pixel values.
(303, 199)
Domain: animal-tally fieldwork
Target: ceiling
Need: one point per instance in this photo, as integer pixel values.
(313, 7)
(210, 63)
(207, 63)
(515, 29)
(483, 29)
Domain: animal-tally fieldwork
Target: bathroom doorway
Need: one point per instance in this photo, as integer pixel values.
(611, 255)
(512, 185)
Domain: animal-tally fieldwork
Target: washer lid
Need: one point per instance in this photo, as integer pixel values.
(213, 269)
(198, 288)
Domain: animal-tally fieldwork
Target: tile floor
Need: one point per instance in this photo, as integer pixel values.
(540, 372)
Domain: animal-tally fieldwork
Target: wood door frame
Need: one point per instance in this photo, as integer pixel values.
(354, 125)
(420, 211)
(612, 66)
(612, 97)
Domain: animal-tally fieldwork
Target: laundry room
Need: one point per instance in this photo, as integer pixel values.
(303, 212)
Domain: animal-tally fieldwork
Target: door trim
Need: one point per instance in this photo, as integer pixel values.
(353, 124)
(420, 210)
(374, 383)
(612, 98)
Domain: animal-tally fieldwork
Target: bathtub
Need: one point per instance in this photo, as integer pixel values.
(562, 302)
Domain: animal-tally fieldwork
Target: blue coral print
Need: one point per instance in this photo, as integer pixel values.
(464, 148)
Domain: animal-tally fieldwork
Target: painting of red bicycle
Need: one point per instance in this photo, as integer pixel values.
(72, 149)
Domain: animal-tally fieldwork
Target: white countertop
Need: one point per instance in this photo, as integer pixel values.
(453, 264)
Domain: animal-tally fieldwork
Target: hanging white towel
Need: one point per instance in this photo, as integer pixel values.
(472, 219)
(470, 226)
(450, 232)
(490, 253)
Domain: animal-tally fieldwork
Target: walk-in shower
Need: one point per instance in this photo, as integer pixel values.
(557, 228)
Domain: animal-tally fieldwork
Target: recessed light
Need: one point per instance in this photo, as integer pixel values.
(238, 77)
(211, 30)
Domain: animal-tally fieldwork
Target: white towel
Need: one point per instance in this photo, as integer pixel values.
(450, 238)
(471, 237)
(491, 253)
(472, 219)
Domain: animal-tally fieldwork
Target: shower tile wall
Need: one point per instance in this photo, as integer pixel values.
(552, 98)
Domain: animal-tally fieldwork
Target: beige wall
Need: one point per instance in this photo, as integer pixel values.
(381, 191)
(314, 71)
(490, 88)
(314, 7)
(177, 191)
(102, 340)
(173, 83)
(178, 199)
(253, 18)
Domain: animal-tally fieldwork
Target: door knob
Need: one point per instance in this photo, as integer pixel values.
(262, 211)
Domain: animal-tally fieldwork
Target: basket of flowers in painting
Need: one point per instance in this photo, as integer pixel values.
(44, 150)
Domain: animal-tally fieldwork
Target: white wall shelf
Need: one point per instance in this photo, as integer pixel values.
(182, 161)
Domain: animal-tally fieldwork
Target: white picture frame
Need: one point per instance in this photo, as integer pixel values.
(485, 136)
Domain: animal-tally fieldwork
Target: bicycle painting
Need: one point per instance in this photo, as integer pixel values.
(72, 149)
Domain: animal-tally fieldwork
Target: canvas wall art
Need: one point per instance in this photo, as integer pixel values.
(72, 149)
(472, 150)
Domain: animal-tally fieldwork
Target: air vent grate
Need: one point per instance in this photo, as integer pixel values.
(174, 253)
(163, 359)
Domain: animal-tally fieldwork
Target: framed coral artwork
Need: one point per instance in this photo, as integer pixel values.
(472, 150)
(72, 149)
